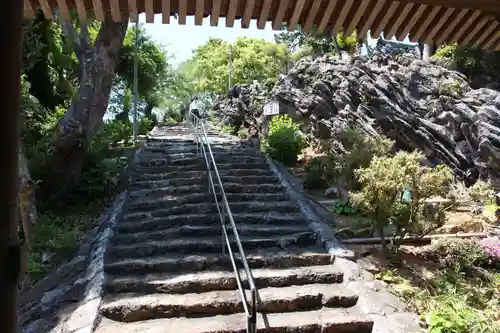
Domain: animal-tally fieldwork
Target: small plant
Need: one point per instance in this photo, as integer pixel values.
(283, 142)
(461, 253)
(457, 317)
(243, 133)
(394, 190)
(314, 172)
(344, 208)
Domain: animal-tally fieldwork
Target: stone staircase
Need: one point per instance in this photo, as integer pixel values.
(165, 271)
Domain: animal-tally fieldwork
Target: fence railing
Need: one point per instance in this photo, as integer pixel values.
(226, 217)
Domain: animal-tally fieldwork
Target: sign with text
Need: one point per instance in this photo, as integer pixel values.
(271, 109)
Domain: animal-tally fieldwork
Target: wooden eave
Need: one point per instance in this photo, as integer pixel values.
(472, 23)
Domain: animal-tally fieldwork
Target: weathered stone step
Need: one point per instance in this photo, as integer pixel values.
(132, 307)
(201, 166)
(144, 221)
(209, 245)
(176, 154)
(160, 162)
(334, 320)
(212, 208)
(202, 179)
(228, 188)
(259, 230)
(199, 282)
(267, 258)
(168, 201)
(188, 174)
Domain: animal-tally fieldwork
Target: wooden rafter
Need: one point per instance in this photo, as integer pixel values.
(468, 22)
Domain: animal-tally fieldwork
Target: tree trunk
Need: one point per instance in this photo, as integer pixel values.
(10, 249)
(84, 117)
(26, 197)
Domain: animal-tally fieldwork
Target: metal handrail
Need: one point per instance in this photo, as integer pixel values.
(202, 141)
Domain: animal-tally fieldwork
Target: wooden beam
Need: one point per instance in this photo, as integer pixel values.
(339, 21)
(46, 9)
(425, 24)
(214, 16)
(82, 11)
(474, 31)
(98, 12)
(297, 11)
(278, 19)
(397, 23)
(165, 10)
(363, 30)
(198, 14)
(326, 16)
(115, 10)
(182, 11)
(313, 11)
(489, 29)
(132, 8)
(357, 16)
(411, 23)
(247, 14)
(438, 25)
(264, 14)
(375, 33)
(492, 40)
(450, 26)
(231, 13)
(28, 9)
(465, 26)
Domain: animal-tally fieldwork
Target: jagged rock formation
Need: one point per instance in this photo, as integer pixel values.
(165, 270)
(419, 104)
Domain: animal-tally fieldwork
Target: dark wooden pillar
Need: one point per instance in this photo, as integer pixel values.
(10, 69)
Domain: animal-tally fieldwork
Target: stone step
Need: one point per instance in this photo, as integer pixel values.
(330, 320)
(266, 258)
(255, 230)
(188, 174)
(169, 201)
(199, 282)
(201, 166)
(176, 154)
(286, 207)
(203, 188)
(160, 162)
(145, 223)
(203, 179)
(192, 149)
(188, 245)
(132, 307)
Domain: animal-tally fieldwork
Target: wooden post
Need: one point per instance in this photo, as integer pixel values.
(10, 67)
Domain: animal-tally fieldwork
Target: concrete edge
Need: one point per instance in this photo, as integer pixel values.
(314, 218)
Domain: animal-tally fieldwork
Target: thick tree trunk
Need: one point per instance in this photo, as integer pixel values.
(84, 117)
(427, 51)
(10, 249)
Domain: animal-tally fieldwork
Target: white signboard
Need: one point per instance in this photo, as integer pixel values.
(271, 109)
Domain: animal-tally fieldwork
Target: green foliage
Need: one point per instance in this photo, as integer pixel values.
(480, 66)
(315, 42)
(253, 59)
(344, 208)
(460, 253)
(282, 142)
(383, 184)
(338, 167)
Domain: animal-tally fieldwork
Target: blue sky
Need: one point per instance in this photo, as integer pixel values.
(180, 40)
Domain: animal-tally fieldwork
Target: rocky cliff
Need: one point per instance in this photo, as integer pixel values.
(419, 104)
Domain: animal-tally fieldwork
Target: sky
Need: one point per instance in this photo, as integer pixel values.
(181, 40)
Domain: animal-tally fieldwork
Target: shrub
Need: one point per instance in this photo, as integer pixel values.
(314, 173)
(465, 253)
(283, 143)
(492, 248)
(394, 190)
(358, 149)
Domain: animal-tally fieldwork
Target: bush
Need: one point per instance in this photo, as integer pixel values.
(283, 143)
(358, 149)
(394, 190)
(465, 253)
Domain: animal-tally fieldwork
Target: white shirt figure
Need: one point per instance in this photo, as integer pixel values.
(195, 106)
